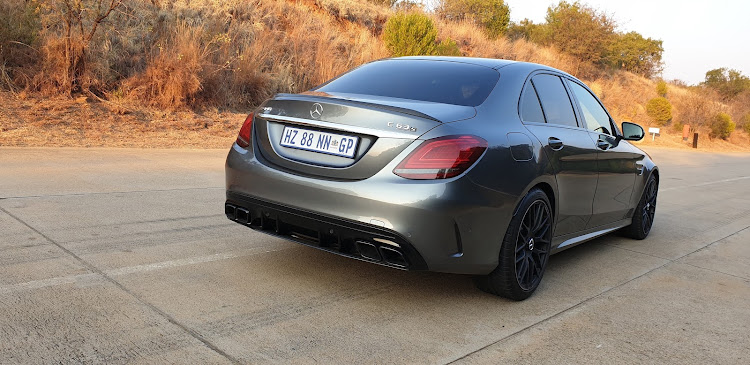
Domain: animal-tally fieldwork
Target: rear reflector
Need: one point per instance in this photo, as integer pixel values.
(442, 158)
(243, 138)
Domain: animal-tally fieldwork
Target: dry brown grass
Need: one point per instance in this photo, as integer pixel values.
(33, 120)
(173, 76)
(364, 13)
(237, 53)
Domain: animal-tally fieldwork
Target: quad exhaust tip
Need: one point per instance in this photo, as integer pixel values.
(238, 214)
(230, 211)
(385, 254)
(393, 257)
(368, 251)
(242, 215)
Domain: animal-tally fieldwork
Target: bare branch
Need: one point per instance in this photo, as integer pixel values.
(112, 6)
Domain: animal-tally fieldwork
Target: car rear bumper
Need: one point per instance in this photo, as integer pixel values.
(451, 225)
(340, 236)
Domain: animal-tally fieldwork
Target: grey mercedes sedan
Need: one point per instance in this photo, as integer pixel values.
(450, 164)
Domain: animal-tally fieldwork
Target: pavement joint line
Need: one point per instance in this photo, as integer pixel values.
(713, 270)
(110, 192)
(705, 183)
(96, 270)
(120, 224)
(634, 251)
(590, 299)
(127, 270)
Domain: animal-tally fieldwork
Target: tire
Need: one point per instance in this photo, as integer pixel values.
(524, 251)
(643, 218)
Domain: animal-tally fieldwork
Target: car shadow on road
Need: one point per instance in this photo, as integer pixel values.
(307, 267)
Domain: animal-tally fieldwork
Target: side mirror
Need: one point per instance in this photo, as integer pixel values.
(632, 132)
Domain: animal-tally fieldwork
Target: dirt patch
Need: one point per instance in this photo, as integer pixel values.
(83, 122)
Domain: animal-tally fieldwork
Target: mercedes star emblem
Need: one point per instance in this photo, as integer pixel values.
(316, 111)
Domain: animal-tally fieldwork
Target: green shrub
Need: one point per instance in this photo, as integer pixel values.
(722, 126)
(660, 110)
(492, 15)
(410, 34)
(677, 127)
(746, 123)
(448, 47)
(413, 34)
(661, 88)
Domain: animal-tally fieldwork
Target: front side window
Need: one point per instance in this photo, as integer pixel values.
(594, 115)
(555, 101)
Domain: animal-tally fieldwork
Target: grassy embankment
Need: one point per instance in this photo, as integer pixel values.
(184, 73)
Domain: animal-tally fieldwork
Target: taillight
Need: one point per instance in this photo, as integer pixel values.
(243, 138)
(442, 158)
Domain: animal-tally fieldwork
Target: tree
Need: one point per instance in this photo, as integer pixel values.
(660, 110)
(492, 15)
(527, 30)
(728, 82)
(579, 30)
(632, 52)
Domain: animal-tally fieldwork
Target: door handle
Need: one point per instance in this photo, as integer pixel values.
(555, 143)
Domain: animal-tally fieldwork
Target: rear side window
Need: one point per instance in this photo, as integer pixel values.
(425, 80)
(531, 110)
(555, 101)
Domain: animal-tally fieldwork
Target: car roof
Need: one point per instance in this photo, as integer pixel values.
(487, 62)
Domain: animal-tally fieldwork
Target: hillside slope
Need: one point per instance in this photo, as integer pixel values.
(184, 68)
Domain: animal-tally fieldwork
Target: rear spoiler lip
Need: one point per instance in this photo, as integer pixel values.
(350, 128)
(357, 103)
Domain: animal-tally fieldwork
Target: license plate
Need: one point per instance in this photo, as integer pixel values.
(321, 142)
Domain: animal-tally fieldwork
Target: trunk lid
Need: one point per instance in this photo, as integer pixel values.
(343, 136)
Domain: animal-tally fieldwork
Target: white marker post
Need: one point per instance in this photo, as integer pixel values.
(654, 132)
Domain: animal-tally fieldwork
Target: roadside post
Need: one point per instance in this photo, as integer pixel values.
(695, 140)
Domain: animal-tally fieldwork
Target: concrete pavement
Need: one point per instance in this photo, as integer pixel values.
(122, 256)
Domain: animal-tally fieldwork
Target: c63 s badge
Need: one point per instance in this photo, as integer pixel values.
(405, 127)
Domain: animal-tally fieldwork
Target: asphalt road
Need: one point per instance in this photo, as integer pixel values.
(119, 255)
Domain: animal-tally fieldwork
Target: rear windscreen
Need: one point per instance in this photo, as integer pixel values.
(424, 80)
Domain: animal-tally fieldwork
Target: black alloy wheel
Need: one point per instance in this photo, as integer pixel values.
(648, 211)
(643, 218)
(524, 251)
(532, 245)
